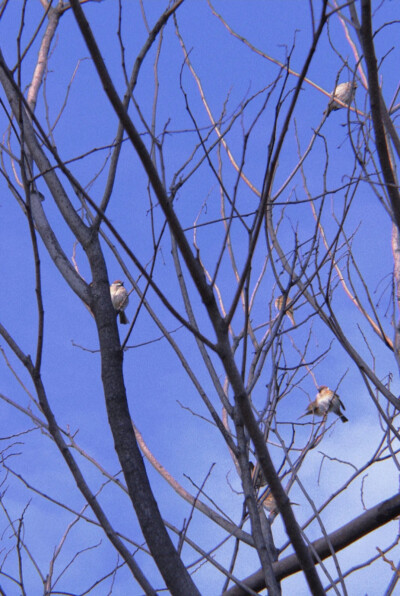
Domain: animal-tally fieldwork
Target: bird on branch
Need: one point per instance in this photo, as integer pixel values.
(326, 401)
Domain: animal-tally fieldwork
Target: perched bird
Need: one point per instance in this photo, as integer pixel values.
(279, 302)
(326, 401)
(257, 476)
(259, 480)
(344, 93)
(267, 500)
(119, 299)
(270, 504)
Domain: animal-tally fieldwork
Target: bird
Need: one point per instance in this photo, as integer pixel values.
(270, 504)
(267, 499)
(326, 401)
(259, 480)
(119, 299)
(344, 93)
(257, 476)
(279, 302)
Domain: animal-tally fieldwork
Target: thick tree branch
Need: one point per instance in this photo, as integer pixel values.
(174, 572)
(65, 206)
(376, 110)
(53, 14)
(160, 544)
(90, 498)
(192, 263)
(207, 295)
(359, 527)
(59, 258)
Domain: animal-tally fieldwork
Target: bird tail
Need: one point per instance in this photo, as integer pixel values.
(332, 107)
(123, 319)
(343, 418)
(291, 317)
(305, 414)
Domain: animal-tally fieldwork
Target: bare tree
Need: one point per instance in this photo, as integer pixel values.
(246, 194)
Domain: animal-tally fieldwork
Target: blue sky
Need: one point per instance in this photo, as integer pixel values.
(154, 377)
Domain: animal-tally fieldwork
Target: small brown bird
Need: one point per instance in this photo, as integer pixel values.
(257, 476)
(119, 299)
(270, 504)
(326, 401)
(344, 93)
(288, 309)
